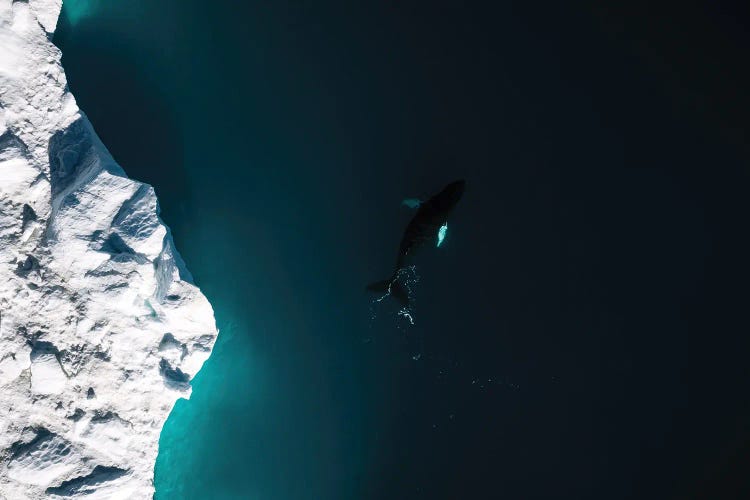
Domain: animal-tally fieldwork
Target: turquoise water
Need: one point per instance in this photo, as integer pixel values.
(77, 11)
(252, 186)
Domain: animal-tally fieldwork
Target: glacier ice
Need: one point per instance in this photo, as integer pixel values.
(101, 327)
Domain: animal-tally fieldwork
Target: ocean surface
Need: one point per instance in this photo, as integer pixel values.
(559, 341)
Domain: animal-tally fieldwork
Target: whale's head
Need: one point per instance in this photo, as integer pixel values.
(450, 195)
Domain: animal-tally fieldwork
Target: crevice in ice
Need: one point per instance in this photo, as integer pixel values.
(119, 251)
(47, 373)
(42, 458)
(29, 265)
(168, 342)
(28, 215)
(21, 448)
(86, 484)
(76, 356)
(42, 348)
(12, 146)
(127, 208)
(204, 343)
(76, 415)
(174, 377)
(103, 417)
(68, 149)
(169, 267)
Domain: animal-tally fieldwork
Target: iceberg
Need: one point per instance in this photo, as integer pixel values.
(101, 326)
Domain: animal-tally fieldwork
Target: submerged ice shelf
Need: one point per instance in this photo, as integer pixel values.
(101, 328)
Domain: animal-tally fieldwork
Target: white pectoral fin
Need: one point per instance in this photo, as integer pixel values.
(441, 233)
(412, 202)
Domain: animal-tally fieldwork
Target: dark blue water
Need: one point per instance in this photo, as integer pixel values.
(572, 336)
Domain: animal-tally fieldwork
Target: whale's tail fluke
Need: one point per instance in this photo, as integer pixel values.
(393, 288)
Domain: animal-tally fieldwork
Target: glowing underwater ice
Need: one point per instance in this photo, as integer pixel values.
(77, 10)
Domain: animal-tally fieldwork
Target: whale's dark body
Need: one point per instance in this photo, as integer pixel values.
(423, 227)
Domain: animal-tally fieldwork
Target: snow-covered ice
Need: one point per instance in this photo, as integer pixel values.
(101, 328)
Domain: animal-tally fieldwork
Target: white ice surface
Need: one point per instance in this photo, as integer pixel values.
(101, 329)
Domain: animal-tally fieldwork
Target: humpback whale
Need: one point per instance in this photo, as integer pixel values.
(430, 221)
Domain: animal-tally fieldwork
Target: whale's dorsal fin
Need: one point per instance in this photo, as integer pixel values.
(412, 202)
